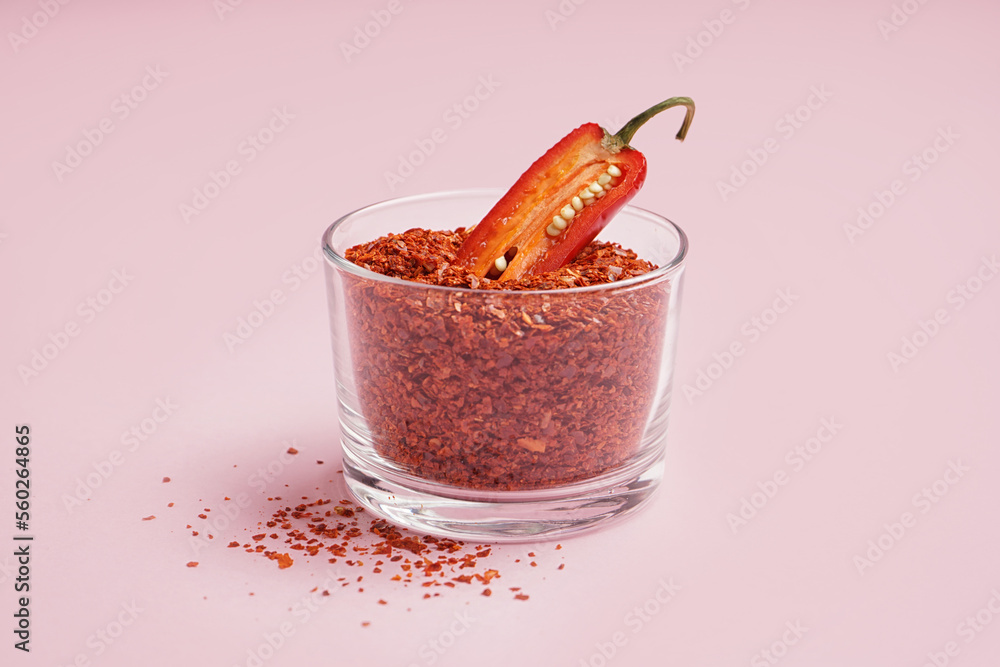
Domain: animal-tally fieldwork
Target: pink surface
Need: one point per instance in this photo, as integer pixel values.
(903, 450)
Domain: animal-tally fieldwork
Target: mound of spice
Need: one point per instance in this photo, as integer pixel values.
(509, 384)
(431, 257)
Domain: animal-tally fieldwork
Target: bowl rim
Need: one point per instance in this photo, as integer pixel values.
(663, 272)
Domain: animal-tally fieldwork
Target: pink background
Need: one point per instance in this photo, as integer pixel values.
(886, 95)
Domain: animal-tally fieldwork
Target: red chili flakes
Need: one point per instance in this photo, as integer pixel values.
(488, 576)
(166, 479)
(561, 566)
(170, 504)
(516, 420)
(312, 529)
(521, 596)
(149, 518)
(193, 563)
(365, 624)
(293, 451)
(202, 516)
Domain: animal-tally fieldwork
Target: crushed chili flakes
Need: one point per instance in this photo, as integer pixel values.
(193, 563)
(511, 391)
(316, 530)
(149, 518)
(166, 479)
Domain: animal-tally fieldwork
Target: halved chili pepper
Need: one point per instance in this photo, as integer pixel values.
(563, 200)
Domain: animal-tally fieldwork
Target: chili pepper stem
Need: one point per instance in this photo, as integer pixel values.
(624, 135)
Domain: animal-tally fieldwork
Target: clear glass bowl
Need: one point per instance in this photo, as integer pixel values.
(498, 415)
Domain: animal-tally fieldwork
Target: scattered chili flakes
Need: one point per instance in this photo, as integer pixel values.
(149, 518)
(193, 563)
(170, 504)
(365, 624)
(293, 451)
(321, 529)
(166, 479)
(521, 596)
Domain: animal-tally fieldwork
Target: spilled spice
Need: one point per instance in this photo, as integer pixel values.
(342, 533)
(489, 389)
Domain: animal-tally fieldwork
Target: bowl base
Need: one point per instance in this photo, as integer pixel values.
(490, 517)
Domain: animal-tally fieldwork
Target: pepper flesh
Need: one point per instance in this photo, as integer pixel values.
(515, 228)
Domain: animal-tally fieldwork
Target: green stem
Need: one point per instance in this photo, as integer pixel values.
(624, 135)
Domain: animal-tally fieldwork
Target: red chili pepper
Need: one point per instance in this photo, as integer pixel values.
(563, 200)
